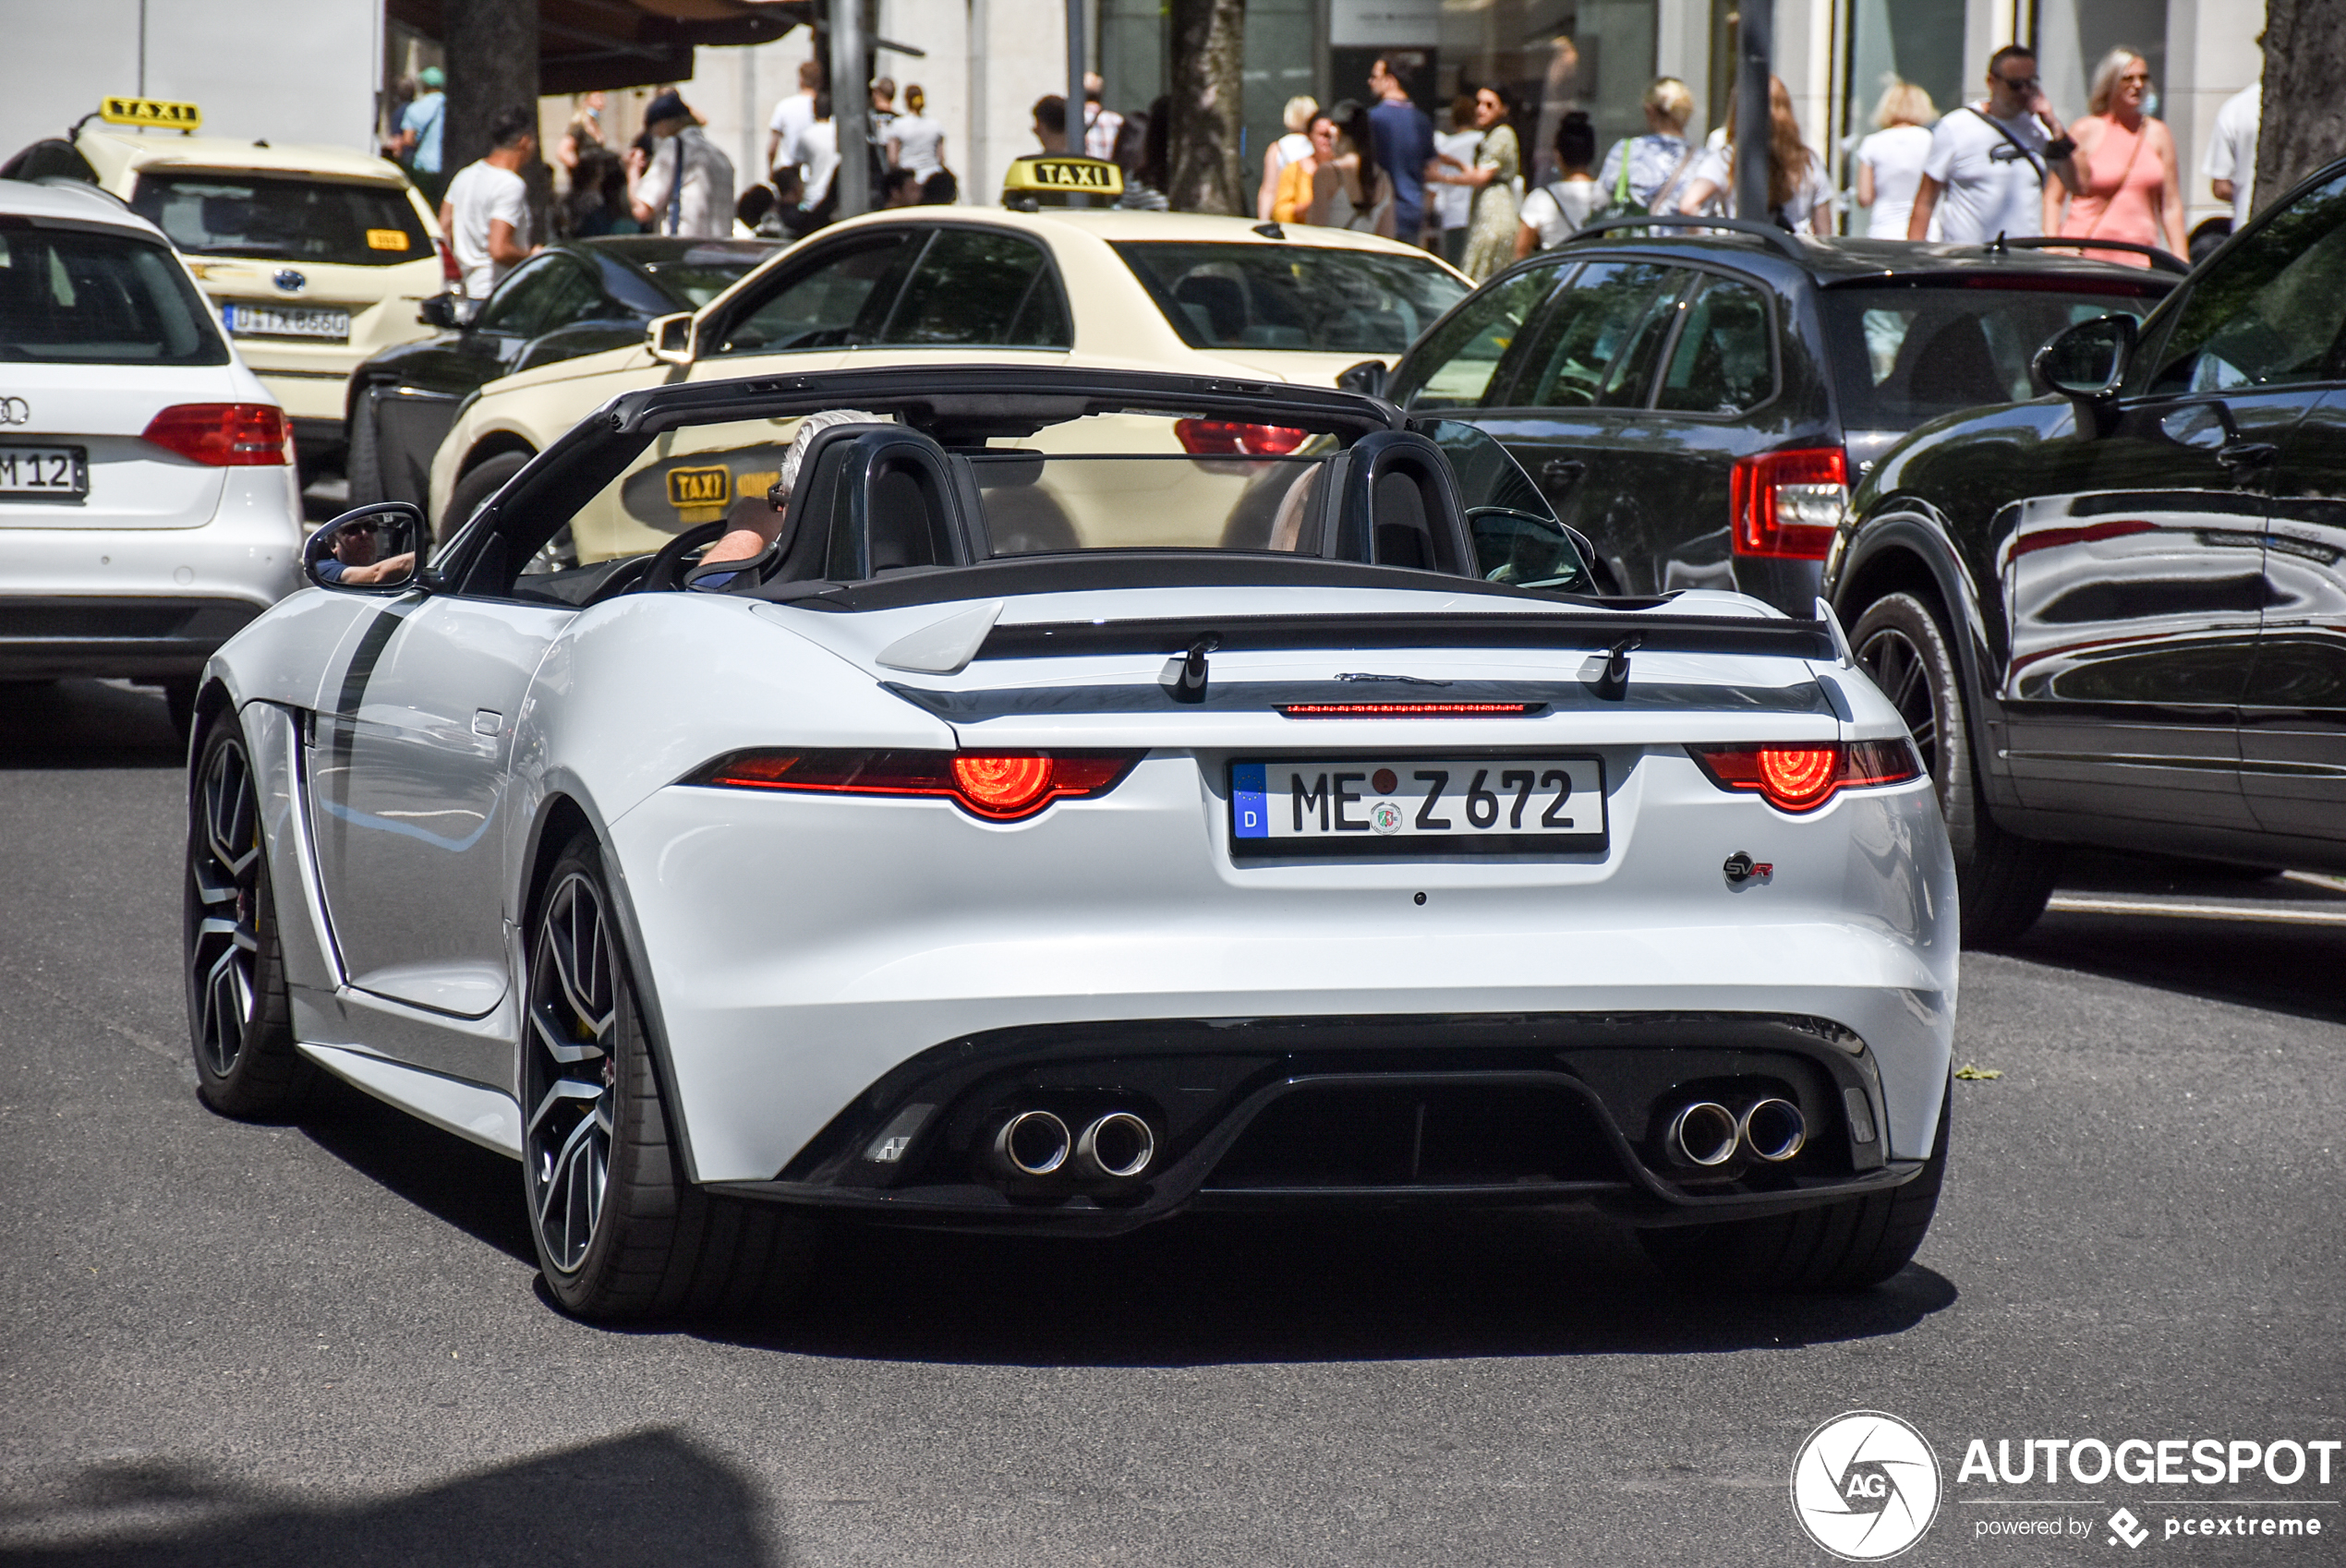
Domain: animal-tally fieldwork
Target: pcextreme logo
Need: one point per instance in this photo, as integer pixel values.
(1865, 1485)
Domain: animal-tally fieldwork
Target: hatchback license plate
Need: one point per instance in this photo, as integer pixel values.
(1413, 806)
(276, 321)
(44, 473)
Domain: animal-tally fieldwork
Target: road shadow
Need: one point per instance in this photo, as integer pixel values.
(647, 1497)
(86, 724)
(1222, 1289)
(477, 1191)
(1204, 1289)
(2269, 965)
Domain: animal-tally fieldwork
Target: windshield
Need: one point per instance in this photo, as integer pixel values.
(1905, 353)
(1292, 297)
(697, 277)
(75, 296)
(284, 218)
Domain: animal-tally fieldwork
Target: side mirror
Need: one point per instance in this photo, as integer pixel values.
(369, 550)
(1367, 378)
(670, 338)
(2087, 363)
(439, 310)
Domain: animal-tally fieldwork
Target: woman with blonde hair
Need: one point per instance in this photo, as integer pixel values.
(1653, 166)
(1890, 161)
(2126, 160)
(1295, 147)
(1798, 199)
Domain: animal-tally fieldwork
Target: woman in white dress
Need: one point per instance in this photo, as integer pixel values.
(1890, 161)
(915, 142)
(1798, 199)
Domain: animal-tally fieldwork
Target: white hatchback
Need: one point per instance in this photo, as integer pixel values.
(148, 504)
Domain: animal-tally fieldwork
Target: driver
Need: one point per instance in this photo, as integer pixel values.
(754, 526)
(354, 559)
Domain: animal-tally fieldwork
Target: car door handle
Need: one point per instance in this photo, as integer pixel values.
(2247, 454)
(1562, 472)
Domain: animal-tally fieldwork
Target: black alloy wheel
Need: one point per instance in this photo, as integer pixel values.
(238, 1019)
(621, 1231)
(2003, 880)
(570, 1072)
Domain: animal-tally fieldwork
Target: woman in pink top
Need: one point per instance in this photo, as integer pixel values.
(2127, 161)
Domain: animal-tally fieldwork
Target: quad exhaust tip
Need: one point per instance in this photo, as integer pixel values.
(1119, 1144)
(1774, 1130)
(1703, 1134)
(1032, 1143)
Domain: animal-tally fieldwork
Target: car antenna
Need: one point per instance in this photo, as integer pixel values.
(1270, 230)
(1613, 684)
(1997, 246)
(1183, 677)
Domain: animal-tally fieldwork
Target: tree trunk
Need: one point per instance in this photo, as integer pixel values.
(2304, 122)
(1208, 51)
(492, 67)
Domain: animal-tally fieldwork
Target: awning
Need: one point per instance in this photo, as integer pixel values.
(584, 45)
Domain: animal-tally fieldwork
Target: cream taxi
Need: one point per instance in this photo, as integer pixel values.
(1095, 286)
(317, 258)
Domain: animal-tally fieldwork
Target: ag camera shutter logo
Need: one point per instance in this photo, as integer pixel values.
(1865, 1485)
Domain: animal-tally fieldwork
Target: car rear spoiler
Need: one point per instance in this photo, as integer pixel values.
(1595, 631)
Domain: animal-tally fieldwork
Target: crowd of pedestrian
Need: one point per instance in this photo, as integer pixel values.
(2000, 164)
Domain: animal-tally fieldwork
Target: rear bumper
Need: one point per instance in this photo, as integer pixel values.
(147, 603)
(1457, 1112)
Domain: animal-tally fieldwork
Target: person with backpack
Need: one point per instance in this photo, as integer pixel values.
(1646, 175)
(1989, 160)
(1555, 213)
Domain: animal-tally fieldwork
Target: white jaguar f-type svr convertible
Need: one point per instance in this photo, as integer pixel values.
(1087, 797)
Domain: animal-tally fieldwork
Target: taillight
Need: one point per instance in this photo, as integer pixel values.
(450, 273)
(1787, 504)
(1801, 779)
(224, 435)
(1228, 437)
(998, 786)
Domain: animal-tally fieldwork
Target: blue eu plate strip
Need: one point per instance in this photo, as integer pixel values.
(1247, 819)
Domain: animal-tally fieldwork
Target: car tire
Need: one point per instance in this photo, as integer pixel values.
(240, 1021)
(2003, 880)
(1852, 1245)
(621, 1233)
(363, 467)
(484, 479)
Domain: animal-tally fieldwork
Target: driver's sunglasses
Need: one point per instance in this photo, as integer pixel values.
(2018, 84)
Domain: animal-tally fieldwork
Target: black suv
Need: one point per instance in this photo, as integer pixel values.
(1698, 405)
(2118, 616)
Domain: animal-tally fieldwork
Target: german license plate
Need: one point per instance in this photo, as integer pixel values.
(283, 321)
(44, 473)
(1411, 806)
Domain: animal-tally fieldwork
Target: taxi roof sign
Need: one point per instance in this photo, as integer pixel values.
(1055, 178)
(150, 112)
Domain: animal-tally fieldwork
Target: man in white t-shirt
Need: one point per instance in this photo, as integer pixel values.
(687, 187)
(486, 215)
(791, 116)
(1989, 163)
(2232, 150)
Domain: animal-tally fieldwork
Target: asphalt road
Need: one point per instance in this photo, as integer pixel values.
(324, 1344)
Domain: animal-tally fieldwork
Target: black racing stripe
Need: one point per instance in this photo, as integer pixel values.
(372, 644)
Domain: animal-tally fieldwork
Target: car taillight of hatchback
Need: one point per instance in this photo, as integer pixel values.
(1787, 504)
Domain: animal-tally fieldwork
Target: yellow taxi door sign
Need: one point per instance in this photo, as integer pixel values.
(150, 112)
(707, 491)
(1056, 178)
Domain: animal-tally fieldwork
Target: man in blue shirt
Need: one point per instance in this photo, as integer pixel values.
(1404, 146)
(419, 128)
(355, 562)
